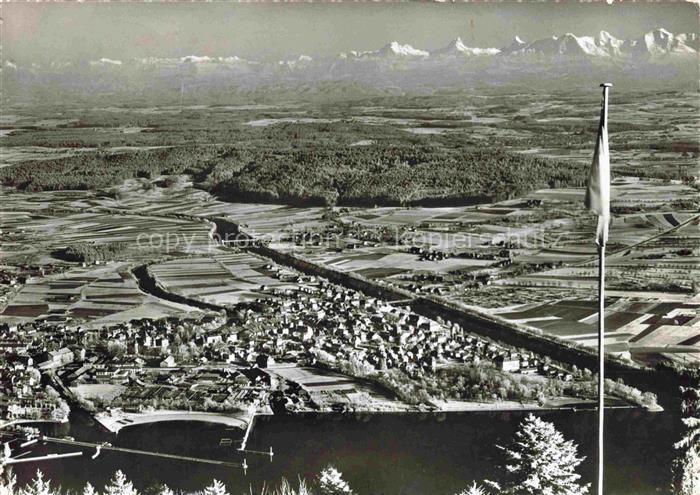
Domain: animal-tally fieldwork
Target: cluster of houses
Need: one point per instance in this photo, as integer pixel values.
(22, 394)
(424, 289)
(347, 236)
(192, 388)
(429, 254)
(139, 356)
(22, 272)
(335, 321)
(500, 257)
(344, 324)
(26, 351)
(156, 339)
(218, 361)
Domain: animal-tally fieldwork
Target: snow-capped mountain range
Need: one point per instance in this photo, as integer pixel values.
(458, 48)
(658, 42)
(657, 55)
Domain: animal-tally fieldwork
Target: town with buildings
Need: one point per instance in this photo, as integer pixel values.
(245, 358)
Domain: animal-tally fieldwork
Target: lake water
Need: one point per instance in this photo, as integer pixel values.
(388, 454)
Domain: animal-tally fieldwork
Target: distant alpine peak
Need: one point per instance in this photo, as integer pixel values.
(659, 42)
(188, 59)
(391, 50)
(567, 44)
(396, 48)
(457, 47)
(196, 59)
(609, 43)
(515, 45)
(656, 42)
(605, 37)
(458, 44)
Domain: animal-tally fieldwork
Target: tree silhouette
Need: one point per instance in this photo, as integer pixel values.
(119, 485)
(540, 461)
(331, 482)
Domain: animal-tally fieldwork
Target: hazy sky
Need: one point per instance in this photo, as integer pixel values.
(43, 32)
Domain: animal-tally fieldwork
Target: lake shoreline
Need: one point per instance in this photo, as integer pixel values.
(117, 420)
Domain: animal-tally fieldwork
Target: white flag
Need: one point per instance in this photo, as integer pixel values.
(598, 192)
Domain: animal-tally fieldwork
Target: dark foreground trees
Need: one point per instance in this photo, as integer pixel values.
(686, 467)
(329, 482)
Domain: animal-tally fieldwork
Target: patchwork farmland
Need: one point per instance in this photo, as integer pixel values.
(223, 279)
(96, 295)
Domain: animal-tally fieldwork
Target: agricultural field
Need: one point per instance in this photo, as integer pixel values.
(35, 225)
(223, 279)
(637, 326)
(386, 262)
(176, 196)
(38, 227)
(95, 296)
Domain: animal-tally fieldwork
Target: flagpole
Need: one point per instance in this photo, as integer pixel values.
(601, 324)
(601, 365)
